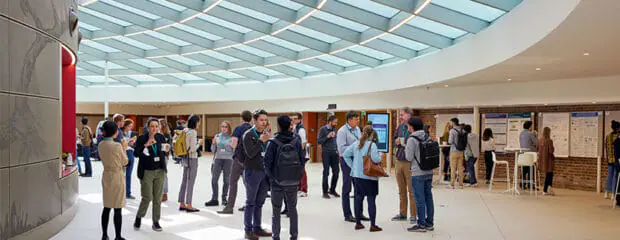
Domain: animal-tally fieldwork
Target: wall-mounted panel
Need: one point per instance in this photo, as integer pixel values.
(5, 224)
(35, 129)
(34, 195)
(69, 188)
(35, 62)
(4, 54)
(5, 130)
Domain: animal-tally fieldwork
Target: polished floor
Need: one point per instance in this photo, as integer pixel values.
(460, 214)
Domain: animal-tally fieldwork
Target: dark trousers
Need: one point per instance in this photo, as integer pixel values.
(446, 163)
(289, 197)
(471, 169)
(525, 176)
(330, 160)
(548, 180)
(488, 160)
(235, 174)
(422, 189)
(256, 187)
(128, 172)
(346, 189)
(87, 165)
(360, 194)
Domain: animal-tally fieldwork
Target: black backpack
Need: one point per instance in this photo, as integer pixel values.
(461, 140)
(239, 154)
(288, 168)
(429, 153)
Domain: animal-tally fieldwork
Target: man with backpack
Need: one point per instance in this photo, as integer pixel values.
(284, 163)
(458, 143)
(423, 153)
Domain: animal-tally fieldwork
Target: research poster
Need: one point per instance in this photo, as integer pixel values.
(515, 127)
(497, 122)
(381, 124)
(584, 134)
(559, 123)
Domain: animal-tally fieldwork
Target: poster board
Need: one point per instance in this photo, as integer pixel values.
(560, 130)
(381, 124)
(515, 127)
(442, 119)
(497, 122)
(584, 134)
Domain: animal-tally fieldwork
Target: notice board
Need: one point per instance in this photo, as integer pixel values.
(559, 123)
(497, 122)
(585, 134)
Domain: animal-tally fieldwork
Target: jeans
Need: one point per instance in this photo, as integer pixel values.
(219, 166)
(548, 180)
(471, 169)
(612, 178)
(289, 196)
(330, 160)
(77, 161)
(235, 174)
(186, 192)
(128, 172)
(87, 164)
(422, 189)
(346, 189)
(488, 161)
(256, 187)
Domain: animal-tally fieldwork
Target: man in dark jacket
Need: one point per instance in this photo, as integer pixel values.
(279, 193)
(329, 148)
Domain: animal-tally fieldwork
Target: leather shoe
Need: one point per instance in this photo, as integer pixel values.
(137, 223)
(375, 229)
(262, 233)
(365, 219)
(212, 203)
(251, 236)
(326, 196)
(241, 209)
(225, 211)
(359, 226)
(349, 219)
(335, 194)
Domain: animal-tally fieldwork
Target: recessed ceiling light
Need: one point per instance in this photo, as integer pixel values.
(446, 85)
(510, 79)
(538, 69)
(586, 54)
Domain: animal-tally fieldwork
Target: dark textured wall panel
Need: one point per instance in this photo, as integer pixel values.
(5, 130)
(35, 59)
(69, 188)
(4, 205)
(35, 131)
(34, 195)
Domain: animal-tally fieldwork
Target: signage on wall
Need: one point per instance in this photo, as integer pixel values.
(381, 124)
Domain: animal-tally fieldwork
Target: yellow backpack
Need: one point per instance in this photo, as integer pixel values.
(180, 146)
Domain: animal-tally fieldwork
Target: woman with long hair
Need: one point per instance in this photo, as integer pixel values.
(612, 150)
(365, 186)
(546, 159)
(446, 151)
(165, 130)
(114, 159)
(488, 147)
(190, 166)
(222, 162)
(127, 135)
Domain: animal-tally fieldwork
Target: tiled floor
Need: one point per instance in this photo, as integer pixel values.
(460, 214)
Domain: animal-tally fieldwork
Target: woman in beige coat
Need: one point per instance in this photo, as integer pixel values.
(546, 159)
(114, 161)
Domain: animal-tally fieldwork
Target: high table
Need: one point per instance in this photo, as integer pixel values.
(515, 186)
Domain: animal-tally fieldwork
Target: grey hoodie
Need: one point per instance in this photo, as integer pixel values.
(412, 153)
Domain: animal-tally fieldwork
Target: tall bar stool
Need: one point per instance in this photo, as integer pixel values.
(495, 163)
(527, 159)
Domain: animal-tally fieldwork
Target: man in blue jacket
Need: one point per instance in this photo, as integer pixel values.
(283, 188)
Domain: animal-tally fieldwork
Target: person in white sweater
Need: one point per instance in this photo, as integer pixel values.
(472, 152)
(488, 147)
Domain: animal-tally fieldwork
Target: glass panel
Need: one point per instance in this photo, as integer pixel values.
(96, 79)
(408, 43)
(284, 43)
(111, 65)
(265, 71)
(254, 51)
(288, 4)
(186, 76)
(227, 75)
(371, 52)
(471, 8)
(197, 32)
(88, 26)
(343, 22)
(131, 9)
(337, 61)
(170, 5)
(135, 43)
(302, 67)
(167, 38)
(186, 61)
(100, 46)
(147, 63)
(373, 7)
(314, 34)
(226, 24)
(249, 12)
(144, 78)
(436, 27)
(106, 17)
(221, 56)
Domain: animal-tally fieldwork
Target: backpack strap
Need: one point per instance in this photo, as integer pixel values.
(419, 141)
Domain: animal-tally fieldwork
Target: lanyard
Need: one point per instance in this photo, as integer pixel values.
(405, 130)
(262, 145)
(154, 147)
(353, 132)
(221, 142)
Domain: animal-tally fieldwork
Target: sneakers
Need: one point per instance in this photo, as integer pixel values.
(334, 193)
(326, 196)
(359, 226)
(224, 202)
(156, 227)
(416, 228)
(241, 209)
(413, 220)
(302, 194)
(399, 218)
(429, 228)
(375, 229)
(212, 203)
(137, 223)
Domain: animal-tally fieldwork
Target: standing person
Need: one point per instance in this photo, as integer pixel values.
(284, 165)
(165, 130)
(181, 125)
(254, 143)
(329, 152)
(528, 142)
(130, 139)
(114, 159)
(190, 166)
(87, 141)
(472, 153)
(365, 186)
(488, 146)
(301, 131)
(346, 136)
(119, 119)
(422, 180)
(222, 162)
(446, 151)
(237, 166)
(456, 152)
(151, 151)
(403, 169)
(612, 151)
(546, 159)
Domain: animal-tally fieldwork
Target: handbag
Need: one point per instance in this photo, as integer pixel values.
(372, 169)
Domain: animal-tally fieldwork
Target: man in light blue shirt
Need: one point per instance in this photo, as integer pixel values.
(347, 135)
(527, 141)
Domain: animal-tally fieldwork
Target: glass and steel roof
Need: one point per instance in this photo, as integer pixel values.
(180, 42)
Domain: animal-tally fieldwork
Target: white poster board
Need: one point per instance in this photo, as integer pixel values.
(442, 119)
(559, 123)
(497, 122)
(584, 134)
(515, 127)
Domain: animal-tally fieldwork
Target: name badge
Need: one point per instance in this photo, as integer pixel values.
(222, 150)
(156, 159)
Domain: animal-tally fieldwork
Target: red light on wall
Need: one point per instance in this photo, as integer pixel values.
(68, 58)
